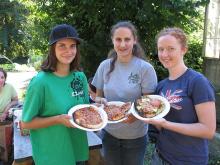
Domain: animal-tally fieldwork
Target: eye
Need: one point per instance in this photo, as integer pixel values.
(160, 49)
(73, 46)
(61, 46)
(170, 49)
(127, 39)
(118, 39)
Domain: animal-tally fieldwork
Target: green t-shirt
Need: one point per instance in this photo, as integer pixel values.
(50, 95)
(8, 92)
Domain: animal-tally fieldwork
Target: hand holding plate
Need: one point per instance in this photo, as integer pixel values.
(157, 122)
(130, 119)
(65, 120)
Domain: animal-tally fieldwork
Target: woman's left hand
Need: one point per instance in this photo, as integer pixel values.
(65, 120)
(130, 119)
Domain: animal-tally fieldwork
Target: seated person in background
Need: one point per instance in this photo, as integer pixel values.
(92, 91)
(8, 96)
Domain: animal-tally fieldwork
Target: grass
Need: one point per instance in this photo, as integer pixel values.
(214, 154)
(150, 150)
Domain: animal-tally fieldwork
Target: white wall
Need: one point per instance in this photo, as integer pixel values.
(212, 35)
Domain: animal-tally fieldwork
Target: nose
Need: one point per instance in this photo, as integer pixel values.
(69, 49)
(122, 44)
(164, 53)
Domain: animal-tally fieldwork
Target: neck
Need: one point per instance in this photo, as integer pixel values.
(126, 59)
(62, 70)
(174, 73)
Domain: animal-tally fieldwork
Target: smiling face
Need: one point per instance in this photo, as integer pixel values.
(65, 51)
(2, 79)
(123, 41)
(170, 51)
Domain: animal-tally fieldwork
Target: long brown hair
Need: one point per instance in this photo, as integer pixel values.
(137, 49)
(50, 63)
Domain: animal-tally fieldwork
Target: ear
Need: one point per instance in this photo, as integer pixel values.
(184, 50)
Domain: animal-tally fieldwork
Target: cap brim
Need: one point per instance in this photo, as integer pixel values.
(79, 40)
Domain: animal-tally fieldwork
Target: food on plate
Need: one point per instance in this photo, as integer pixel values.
(149, 107)
(88, 117)
(117, 112)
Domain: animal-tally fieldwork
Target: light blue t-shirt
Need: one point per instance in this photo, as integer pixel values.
(126, 83)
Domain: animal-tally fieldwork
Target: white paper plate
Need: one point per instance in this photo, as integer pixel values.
(160, 115)
(119, 103)
(101, 112)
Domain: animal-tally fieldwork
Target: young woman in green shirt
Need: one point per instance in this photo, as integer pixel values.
(58, 87)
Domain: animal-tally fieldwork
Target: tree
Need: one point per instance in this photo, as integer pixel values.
(11, 34)
(94, 18)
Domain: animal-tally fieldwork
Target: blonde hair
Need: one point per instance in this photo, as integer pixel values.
(175, 32)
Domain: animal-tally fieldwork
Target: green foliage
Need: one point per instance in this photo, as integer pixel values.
(149, 152)
(214, 148)
(93, 20)
(11, 32)
(194, 57)
(7, 67)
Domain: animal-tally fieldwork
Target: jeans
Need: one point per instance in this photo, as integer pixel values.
(123, 151)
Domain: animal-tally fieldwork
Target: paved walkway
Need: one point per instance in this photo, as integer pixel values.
(19, 79)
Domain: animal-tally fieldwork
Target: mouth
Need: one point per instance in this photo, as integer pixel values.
(68, 57)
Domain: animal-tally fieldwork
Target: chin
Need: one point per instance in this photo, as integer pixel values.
(123, 55)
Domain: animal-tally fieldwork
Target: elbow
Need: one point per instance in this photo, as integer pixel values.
(211, 134)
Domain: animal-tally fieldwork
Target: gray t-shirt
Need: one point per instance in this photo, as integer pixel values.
(127, 82)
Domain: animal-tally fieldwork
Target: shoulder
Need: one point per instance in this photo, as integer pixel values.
(104, 65)
(196, 77)
(8, 86)
(79, 74)
(161, 83)
(39, 79)
(105, 62)
(40, 76)
(142, 63)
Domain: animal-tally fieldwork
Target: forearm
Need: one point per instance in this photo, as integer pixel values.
(195, 129)
(40, 122)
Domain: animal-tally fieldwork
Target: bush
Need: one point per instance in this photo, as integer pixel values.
(8, 67)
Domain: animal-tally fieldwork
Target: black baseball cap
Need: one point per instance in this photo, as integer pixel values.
(63, 31)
